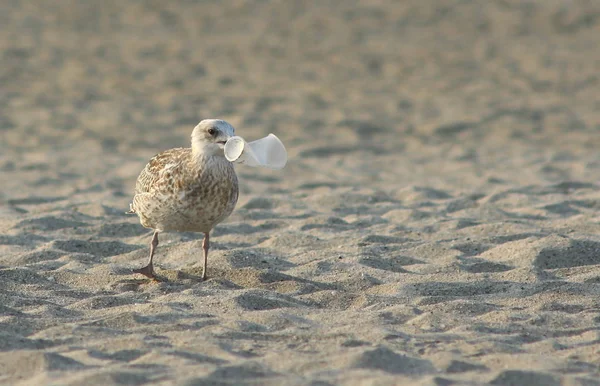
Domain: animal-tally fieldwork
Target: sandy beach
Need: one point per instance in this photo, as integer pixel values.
(438, 222)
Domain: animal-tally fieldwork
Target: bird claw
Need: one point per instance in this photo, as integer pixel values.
(147, 271)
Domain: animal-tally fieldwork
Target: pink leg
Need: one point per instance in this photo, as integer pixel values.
(205, 246)
(148, 270)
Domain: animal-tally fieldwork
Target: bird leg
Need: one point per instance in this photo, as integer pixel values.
(205, 246)
(148, 270)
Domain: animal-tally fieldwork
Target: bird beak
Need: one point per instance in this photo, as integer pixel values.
(222, 141)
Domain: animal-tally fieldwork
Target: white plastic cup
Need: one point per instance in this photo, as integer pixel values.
(267, 152)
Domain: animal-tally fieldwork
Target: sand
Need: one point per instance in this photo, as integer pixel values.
(438, 221)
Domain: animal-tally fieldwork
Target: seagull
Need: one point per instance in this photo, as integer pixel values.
(187, 189)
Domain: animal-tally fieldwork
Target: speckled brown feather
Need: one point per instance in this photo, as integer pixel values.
(178, 191)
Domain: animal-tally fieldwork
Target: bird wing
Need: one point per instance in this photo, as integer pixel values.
(161, 179)
(163, 173)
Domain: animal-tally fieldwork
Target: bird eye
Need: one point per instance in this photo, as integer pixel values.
(212, 131)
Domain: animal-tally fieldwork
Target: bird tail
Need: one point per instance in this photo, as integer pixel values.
(131, 210)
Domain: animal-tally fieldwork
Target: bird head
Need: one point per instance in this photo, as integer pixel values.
(210, 135)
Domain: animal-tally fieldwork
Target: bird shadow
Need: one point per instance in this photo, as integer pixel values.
(161, 275)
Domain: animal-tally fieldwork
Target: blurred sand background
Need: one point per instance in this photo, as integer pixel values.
(438, 222)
